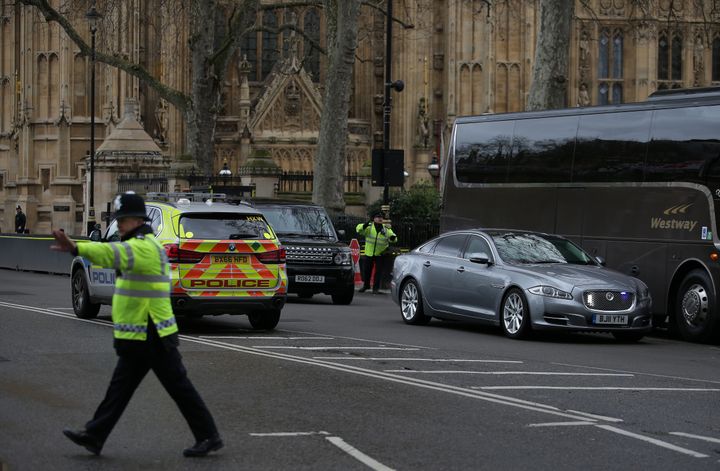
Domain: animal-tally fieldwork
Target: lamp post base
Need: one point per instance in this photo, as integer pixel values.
(91, 223)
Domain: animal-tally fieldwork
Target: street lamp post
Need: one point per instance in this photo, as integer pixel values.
(433, 169)
(92, 17)
(398, 85)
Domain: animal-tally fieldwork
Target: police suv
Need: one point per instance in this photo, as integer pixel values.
(225, 259)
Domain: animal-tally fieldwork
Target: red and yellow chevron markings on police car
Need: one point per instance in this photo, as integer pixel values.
(240, 274)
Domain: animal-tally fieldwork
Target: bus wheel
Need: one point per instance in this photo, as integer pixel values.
(696, 318)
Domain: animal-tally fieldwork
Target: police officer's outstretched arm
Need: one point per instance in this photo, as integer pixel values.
(63, 243)
(113, 255)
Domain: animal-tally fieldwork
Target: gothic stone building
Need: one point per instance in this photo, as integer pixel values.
(456, 57)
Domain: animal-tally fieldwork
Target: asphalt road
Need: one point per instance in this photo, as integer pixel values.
(353, 388)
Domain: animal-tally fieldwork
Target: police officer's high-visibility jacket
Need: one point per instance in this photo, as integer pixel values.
(376, 241)
(142, 288)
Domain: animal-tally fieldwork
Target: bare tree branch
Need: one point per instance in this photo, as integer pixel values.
(179, 99)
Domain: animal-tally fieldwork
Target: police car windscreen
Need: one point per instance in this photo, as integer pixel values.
(217, 226)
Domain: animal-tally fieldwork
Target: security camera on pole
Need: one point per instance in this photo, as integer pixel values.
(388, 164)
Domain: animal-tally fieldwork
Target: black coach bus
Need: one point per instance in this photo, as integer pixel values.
(637, 185)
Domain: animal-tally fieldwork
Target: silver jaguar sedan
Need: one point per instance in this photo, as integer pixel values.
(522, 281)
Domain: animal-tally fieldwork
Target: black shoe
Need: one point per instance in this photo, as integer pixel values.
(82, 438)
(363, 289)
(376, 291)
(203, 448)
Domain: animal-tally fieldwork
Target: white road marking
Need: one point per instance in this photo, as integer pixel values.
(288, 434)
(699, 437)
(531, 373)
(446, 388)
(260, 337)
(64, 308)
(639, 373)
(281, 347)
(357, 454)
(654, 441)
(416, 359)
(598, 388)
(359, 339)
(595, 416)
(560, 424)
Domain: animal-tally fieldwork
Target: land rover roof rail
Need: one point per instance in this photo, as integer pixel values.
(186, 196)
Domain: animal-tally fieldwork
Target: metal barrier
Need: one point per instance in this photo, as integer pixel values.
(32, 253)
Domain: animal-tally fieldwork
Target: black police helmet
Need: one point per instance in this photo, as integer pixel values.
(130, 205)
(377, 214)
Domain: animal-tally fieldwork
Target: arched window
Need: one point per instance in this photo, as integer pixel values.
(670, 59)
(716, 60)
(663, 58)
(604, 55)
(676, 59)
(270, 51)
(617, 55)
(610, 66)
(311, 26)
(603, 98)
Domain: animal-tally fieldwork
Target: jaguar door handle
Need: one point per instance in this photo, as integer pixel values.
(461, 269)
(426, 264)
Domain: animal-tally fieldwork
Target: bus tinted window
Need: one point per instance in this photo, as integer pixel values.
(482, 151)
(611, 147)
(543, 150)
(684, 142)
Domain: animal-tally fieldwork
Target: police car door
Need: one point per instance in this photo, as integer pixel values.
(102, 280)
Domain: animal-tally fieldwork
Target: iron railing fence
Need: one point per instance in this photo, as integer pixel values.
(302, 182)
(411, 232)
(142, 184)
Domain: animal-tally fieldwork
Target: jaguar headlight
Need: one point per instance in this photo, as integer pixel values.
(550, 292)
(342, 258)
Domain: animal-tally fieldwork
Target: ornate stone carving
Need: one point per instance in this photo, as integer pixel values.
(292, 99)
(162, 121)
(583, 95)
(423, 125)
(612, 7)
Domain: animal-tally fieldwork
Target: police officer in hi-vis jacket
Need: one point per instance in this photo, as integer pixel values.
(378, 237)
(145, 331)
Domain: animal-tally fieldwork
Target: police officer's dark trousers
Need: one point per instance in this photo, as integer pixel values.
(135, 359)
(379, 262)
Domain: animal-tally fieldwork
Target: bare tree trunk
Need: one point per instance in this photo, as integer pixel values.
(205, 86)
(342, 37)
(550, 69)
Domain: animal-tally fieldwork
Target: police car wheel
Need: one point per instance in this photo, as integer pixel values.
(264, 320)
(82, 306)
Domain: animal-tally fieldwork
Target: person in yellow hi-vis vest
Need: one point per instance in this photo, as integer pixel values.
(378, 237)
(145, 330)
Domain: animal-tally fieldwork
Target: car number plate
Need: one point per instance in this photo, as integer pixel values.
(310, 279)
(609, 319)
(236, 259)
